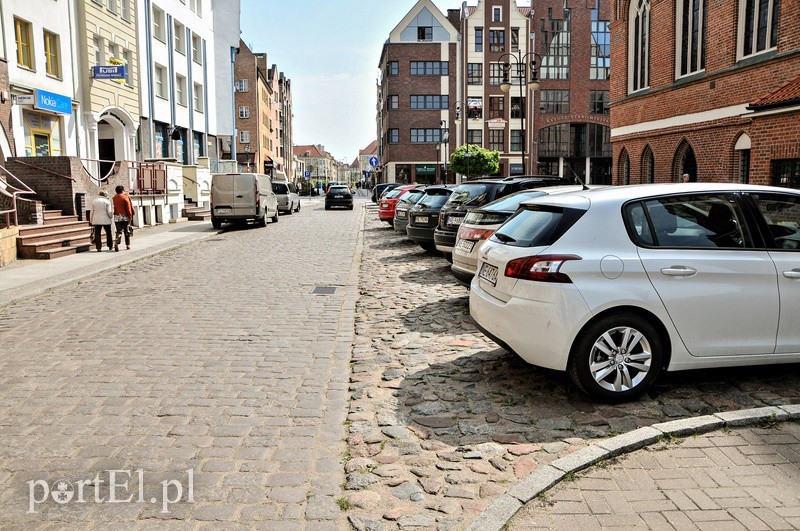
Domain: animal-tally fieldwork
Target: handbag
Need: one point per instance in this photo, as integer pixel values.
(92, 234)
(130, 229)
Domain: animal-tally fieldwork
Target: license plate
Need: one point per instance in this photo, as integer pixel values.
(465, 245)
(422, 219)
(224, 211)
(338, 197)
(489, 273)
(401, 215)
(456, 220)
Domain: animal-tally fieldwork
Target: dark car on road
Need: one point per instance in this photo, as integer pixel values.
(339, 196)
(474, 194)
(380, 189)
(404, 204)
(423, 217)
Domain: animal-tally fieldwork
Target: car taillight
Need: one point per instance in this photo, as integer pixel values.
(544, 268)
(474, 234)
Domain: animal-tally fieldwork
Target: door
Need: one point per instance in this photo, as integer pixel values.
(41, 145)
(244, 194)
(719, 289)
(781, 215)
(106, 152)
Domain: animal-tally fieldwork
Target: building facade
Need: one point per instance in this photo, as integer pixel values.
(107, 55)
(227, 32)
(705, 89)
(42, 79)
(416, 96)
(176, 81)
(320, 166)
(254, 95)
(285, 126)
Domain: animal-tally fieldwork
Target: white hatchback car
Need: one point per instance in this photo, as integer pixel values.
(617, 284)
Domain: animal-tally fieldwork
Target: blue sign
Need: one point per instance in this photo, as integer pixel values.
(49, 101)
(109, 72)
(374, 162)
(308, 174)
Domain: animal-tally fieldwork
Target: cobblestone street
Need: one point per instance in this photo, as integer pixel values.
(213, 357)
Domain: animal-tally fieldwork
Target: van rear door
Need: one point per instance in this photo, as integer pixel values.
(222, 193)
(244, 198)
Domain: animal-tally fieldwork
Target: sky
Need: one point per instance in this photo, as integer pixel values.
(330, 50)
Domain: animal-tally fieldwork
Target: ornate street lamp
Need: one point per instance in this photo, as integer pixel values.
(521, 62)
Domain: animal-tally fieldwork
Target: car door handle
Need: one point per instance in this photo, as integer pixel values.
(794, 273)
(678, 271)
(239, 197)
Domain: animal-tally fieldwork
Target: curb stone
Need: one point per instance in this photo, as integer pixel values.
(499, 513)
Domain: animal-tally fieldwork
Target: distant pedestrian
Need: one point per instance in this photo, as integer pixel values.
(123, 217)
(686, 178)
(100, 218)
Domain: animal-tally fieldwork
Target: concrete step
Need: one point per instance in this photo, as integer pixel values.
(59, 219)
(55, 225)
(35, 250)
(51, 214)
(204, 215)
(51, 254)
(65, 233)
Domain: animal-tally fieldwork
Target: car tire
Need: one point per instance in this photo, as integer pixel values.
(636, 369)
(448, 257)
(263, 221)
(428, 247)
(216, 223)
(290, 211)
(275, 217)
(298, 207)
(327, 207)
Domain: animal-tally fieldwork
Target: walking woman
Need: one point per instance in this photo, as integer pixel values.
(123, 216)
(100, 219)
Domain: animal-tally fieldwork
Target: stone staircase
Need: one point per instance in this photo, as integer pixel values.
(192, 212)
(59, 236)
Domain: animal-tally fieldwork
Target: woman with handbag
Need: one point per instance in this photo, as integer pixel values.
(100, 219)
(123, 217)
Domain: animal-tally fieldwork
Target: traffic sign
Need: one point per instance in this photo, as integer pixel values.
(374, 162)
(308, 174)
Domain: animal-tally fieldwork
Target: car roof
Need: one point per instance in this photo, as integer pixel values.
(517, 179)
(623, 194)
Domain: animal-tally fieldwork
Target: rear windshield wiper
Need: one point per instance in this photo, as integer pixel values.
(503, 238)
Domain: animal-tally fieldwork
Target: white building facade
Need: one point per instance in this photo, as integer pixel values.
(227, 15)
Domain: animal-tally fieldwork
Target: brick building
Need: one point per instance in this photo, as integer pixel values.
(706, 88)
(419, 71)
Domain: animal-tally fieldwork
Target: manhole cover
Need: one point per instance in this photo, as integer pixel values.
(324, 290)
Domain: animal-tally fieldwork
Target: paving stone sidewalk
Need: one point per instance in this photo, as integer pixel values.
(215, 357)
(442, 421)
(732, 479)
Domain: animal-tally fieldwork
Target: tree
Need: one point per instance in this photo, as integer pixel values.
(481, 161)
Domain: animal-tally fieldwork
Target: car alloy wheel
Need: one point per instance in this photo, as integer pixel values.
(620, 359)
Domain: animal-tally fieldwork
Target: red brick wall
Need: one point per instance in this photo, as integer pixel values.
(774, 137)
(5, 108)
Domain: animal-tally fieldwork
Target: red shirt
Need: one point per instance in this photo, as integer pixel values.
(123, 205)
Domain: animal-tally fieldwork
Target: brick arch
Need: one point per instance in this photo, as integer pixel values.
(647, 165)
(624, 165)
(735, 162)
(685, 161)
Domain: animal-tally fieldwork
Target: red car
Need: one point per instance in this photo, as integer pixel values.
(389, 202)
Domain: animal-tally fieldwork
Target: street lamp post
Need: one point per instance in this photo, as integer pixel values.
(468, 156)
(445, 139)
(521, 63)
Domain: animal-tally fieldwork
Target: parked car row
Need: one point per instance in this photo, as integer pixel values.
(615, 285)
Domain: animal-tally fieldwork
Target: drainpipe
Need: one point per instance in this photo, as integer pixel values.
(206, 110)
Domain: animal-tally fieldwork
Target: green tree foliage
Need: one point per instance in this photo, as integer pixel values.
(481, 161)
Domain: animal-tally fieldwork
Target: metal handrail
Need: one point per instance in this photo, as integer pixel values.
(15, 191)
(104, 179)
(41, 169)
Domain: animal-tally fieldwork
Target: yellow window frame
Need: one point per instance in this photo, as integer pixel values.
(24, 38)
(52, 53)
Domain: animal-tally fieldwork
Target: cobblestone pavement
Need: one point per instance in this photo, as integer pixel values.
(732, 479)
(442, 421)
(214, 357)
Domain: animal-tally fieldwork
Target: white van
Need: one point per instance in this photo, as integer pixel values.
(239, 197)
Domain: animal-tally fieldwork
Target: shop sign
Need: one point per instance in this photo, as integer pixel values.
(50, 101)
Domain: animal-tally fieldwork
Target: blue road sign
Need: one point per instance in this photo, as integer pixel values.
(308, 174)
(374, 162)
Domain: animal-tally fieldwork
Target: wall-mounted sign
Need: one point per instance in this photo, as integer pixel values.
(109, 72)
(497, 123)
(26, 99)
(50, 101)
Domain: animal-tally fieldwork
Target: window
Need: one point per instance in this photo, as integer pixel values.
(180, 37)
(161, 81)
(497, 106)
(694, 221)
(518, 107)
(598, 140)
(691, 36)
(786, 173)
(556, 48)
(393, 68)
(244, 137)
(197, 49)
(782, 214)
(478, 39)
(159, 28)
(244, 112)
(126, 10)
(758, 26)
(243, 85)
(475, 74)
(600, 61)
(24, 37)
(127, 57)
(554, 101)
(393, 102)
(497, 40)
(430, 68)
(429, 102)
(112, 6)
(180, 90)
(424, 33)
(497, 140)
(648, 166)
(475, 108)
(625, 168)
(516, 140)
(554, 141)
(743, 173)
(514, 39)
(639, 45)
(394, 136)
(52, 54)
(196, 6)
(598, 102)
(199, 101)
(475, 137)
(427, 136)
(113, 50)
(495, 74)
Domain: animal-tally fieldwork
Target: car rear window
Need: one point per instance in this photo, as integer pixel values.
(537, 226)
(435, 198)
(470, 194)
(511, 203)
(412, 197)
(339, 189)
(280, 188)
(392, 194)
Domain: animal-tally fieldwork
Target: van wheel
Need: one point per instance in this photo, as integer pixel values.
(290, 211)
(298, 206)
(617, 358)
(275, 217)
(216, 223)
(263, 221)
